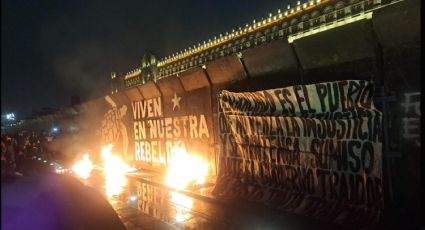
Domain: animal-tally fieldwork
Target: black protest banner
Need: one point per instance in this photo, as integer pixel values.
(314, 150)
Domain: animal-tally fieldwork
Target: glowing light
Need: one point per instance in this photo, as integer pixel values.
(83, 167)
(133, 198)
(114, 170)
(183, 206)
(185, 169)
(10, 116)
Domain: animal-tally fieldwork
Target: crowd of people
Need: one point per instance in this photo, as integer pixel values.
(24, 146)
(31, 198)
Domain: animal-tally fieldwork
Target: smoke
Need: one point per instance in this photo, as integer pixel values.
(84, 70)
(81, 47)
(85, 140)
(73, 46)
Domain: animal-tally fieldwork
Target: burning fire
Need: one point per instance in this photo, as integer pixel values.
(184, 170)
(83, 167)
(114, 170)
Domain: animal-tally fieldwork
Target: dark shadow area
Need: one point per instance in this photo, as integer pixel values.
(49, 201)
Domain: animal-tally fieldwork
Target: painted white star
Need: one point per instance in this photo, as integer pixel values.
(176, 101)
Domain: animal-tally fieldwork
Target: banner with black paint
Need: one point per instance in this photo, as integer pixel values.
(314, 150)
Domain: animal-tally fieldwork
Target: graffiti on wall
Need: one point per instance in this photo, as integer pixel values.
(113, 128)
(314, 150)
(158, 126)
(412, 114)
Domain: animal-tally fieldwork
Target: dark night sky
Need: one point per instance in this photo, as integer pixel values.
(52, 50)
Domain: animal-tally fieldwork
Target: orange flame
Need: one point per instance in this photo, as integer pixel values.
(183, 170)
(83, 167)
(114, 170)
